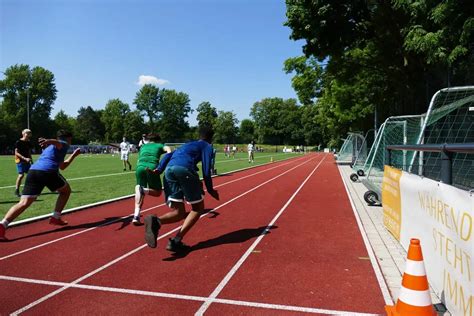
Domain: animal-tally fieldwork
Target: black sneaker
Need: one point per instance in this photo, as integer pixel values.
(17, 192)
(177, 246)
(152, 226)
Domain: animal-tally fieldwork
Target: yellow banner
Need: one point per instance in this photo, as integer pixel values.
(391, 200)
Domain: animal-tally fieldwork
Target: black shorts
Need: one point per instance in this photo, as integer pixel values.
(36, 180)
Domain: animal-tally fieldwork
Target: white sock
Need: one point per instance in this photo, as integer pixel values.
(5, 223)
(137, 212)
(56, 215)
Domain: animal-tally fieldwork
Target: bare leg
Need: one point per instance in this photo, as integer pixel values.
(191, 219)
(63, 197)
(18, 208)
(177, 213)
(139, 198)
(18, 180)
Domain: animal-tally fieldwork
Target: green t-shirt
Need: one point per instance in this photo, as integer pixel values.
(150, 155)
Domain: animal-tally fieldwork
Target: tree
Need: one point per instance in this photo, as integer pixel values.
(226, 129)
(207, 114)
(174, 108)
(133, 126)
(247, 131)
(389, 55)
(277, 121)
(147, 101)
(114, 118)
(89, 127)
(24, 86)
(307, 80)
(64, 121)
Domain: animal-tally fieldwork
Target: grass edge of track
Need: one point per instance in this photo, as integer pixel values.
(87, 206)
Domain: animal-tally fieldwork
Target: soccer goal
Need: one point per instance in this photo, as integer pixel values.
(449, 119)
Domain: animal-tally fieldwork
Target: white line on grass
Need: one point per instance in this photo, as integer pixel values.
(239, 263)
(123, 217)
(373, 260)
(183, 297)
(44, 298)
(85, 178)
(128, 172)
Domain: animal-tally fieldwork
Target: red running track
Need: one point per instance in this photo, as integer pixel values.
(283, 240)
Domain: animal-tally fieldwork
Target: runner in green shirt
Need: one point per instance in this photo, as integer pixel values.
(148, 182)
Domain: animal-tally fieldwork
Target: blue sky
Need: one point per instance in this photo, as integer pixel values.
(227, 52)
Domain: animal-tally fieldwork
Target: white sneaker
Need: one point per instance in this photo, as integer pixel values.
(136, 221)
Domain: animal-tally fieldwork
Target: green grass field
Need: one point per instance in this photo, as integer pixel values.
(95, 178)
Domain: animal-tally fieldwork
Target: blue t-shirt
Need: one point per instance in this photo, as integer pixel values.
(190, 154)
(51, 158)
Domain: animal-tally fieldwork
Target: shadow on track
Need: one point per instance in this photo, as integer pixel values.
(104, 222)
(235, 237)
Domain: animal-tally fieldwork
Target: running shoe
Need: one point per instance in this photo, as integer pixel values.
(177, 246)
(152, 226)
(136, 221)
(57, 221)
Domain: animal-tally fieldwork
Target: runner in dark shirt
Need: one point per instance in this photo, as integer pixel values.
(22, 157)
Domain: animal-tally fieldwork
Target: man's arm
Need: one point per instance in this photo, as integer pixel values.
(70, 159)
(20, 156)
(44, 142)
(206, 171)
(162, 164)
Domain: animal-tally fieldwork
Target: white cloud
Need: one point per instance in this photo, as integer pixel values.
(144, 79)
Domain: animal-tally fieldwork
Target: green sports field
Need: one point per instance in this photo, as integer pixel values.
(95, 178)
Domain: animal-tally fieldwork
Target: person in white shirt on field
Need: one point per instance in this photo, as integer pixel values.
(124, 151)
(250, 149)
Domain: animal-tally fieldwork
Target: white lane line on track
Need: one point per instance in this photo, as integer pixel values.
(378, 274)
(123, 217)
(82, 207)
(239, 263)
(44, 298)
(184, 297)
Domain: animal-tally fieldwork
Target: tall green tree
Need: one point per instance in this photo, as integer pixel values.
(207, 114)
(246, 131)
(277, 121)
(307, 79)
(389, 56)
(28, 89)
(89, 127)
(64, 121)
(114, 117)
(134, 126)
(226, 130)
(174, 109)
(148, 102)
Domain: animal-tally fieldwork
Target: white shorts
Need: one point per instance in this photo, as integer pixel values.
(124, 156)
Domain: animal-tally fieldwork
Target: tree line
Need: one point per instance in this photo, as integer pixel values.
(366, 60)
(273, 121)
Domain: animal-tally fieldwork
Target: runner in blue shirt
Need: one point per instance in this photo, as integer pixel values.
(181, 182)
(45, 173)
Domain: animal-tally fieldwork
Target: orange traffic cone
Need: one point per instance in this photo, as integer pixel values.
(414, 298)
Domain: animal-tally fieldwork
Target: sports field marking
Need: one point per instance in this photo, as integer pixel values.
(378, 274)
(84, 178)
(128, 172)
(126, 216)
(239, 263)
(44, 298)
(184, 297)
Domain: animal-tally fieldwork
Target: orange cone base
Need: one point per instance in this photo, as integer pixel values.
(403, 309)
